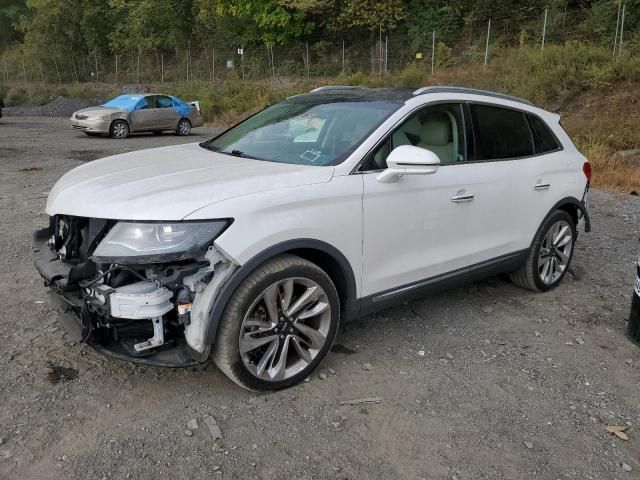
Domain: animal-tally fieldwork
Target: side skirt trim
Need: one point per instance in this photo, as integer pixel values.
(495, 266)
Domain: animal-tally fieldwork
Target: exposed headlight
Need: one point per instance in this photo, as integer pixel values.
(147, 242)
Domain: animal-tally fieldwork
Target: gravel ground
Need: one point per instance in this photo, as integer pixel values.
(485, 381)
(60, 107)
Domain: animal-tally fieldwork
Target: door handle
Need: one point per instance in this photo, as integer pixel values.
(462, 197)
(541, 186)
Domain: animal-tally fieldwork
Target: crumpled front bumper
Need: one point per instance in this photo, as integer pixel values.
(76, 319)
(90, 125)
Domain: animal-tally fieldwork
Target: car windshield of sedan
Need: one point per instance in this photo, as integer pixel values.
(304, 131)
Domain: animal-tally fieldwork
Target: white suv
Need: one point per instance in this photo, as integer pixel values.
(253, 246)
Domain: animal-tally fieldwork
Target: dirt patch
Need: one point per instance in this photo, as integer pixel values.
(338, 348)
(59, 374)
(85, 155)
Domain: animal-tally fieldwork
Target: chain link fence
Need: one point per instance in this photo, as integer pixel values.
(319, 56)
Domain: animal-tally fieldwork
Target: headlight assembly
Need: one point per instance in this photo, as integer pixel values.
(156, 242)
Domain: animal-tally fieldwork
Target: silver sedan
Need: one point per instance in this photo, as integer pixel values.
(133, 113)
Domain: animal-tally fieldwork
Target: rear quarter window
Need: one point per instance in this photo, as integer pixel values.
(500, 133)
(545, 140)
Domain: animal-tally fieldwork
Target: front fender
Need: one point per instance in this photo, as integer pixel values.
(238, 275)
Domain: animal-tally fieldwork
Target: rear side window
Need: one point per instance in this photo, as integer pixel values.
(164, 102)
(545, 140)
(500, 133)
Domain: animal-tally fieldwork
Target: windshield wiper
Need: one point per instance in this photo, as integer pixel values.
(239, 153)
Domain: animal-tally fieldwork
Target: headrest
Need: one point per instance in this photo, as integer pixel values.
(436, 129)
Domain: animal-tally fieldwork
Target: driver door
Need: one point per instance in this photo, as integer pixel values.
(423, 226)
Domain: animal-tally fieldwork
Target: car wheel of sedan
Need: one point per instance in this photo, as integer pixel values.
(184, 127)
(278, 325)
(119, 129)
(550, 254)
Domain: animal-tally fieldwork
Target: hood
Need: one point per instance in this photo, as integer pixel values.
(95, 111)
(169, 183)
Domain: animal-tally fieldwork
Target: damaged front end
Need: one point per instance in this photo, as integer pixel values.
(129, 288)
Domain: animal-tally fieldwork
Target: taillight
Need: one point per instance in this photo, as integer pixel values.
(586, 169)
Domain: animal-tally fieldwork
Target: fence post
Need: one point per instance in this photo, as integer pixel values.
(544, 27)
(162, 69)
(115, 82)
(57, 71)
(433, 51)
(213, 65)
(138, 77)
(75, 72)
(95, 55)
(386, 52)
(615, 39)
(41, 72)
(6, 72)
(486, 48)
(342, 56)
(624, 8)
(307, 62)
(24, 71)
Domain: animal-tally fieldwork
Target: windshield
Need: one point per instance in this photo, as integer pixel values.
(304, 131)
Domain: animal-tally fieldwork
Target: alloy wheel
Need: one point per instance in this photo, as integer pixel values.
(555, 252)
(285, 328)
(184, 128)
(119, 130)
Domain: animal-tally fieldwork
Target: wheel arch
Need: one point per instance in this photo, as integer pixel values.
(326, 256)
(125, 120)
(573, 207)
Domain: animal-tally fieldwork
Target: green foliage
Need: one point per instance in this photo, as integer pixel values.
(412, 76)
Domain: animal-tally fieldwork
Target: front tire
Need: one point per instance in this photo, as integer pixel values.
(278, 325)
(550, 254)
(119, 129)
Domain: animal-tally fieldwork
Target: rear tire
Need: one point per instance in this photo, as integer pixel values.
(263, 348)
(119, 129)
(184, 127)
(550, 254)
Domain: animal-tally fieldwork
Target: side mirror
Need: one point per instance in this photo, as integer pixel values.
(408, 160)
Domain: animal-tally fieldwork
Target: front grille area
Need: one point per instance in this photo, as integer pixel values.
(75, 238)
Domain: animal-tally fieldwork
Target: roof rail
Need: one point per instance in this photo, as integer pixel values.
(336, 87)
(473, 91)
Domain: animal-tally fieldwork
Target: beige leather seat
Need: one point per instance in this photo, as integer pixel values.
(434, 131)
(437, 136)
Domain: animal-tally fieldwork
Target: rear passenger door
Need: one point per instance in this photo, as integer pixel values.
(503, 139)
(167, 117)
(545, 178)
